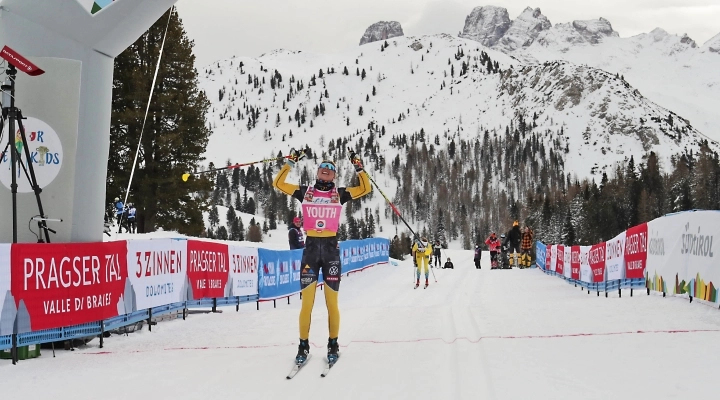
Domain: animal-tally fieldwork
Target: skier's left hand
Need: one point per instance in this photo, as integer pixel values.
(356, 161)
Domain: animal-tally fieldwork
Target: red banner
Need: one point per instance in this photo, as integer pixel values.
(560, 267)
(636, 241)
(575, 262)
(68, 284)
(596, 259)
(548, 257)
(208, 268)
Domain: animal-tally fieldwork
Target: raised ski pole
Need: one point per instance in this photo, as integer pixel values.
(187, 175)
(397, 212)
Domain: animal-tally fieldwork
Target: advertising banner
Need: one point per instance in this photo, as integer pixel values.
(208, 269)
(358, 254)
(700, 247)
(567, 270)
(596, 261)
(586, 274)
(243, 271)
(540, 254)
(7, 303)
(56, 285)
(636, 242)
(615, 258)
(560, 266)
(279, 273)
(157, 273)
(552, 265)
(575, 262)
(682, 254)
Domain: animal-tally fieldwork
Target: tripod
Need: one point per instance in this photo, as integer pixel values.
(13, 116)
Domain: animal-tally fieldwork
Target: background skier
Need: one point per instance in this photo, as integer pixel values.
(322, 209)
(449, 264)
(295, 235)
(421, 252)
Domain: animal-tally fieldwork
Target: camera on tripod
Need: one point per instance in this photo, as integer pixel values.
(14, 116)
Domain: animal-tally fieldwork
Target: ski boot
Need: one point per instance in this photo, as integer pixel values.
(332, 348)
(303, 351)
(417, 283)
(426, 283)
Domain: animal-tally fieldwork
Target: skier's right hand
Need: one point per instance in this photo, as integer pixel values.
(294, 157)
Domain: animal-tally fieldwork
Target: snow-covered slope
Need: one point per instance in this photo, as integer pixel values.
(602, 118)
(671, 70)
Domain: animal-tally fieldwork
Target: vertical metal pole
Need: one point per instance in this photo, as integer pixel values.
(214, 309)
(102, 333)
(274, 305)
(237, 307)
(149, 319)
(14, 350)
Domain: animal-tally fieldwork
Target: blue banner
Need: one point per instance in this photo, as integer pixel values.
(358, 254)
(278, 273)
(540, 254)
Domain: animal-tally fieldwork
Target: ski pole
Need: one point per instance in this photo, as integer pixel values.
(187, 175)
(397, 212)
(399, 215)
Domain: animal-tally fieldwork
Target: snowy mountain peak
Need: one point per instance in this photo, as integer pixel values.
(595, 29)
(487, 25)
(713, 44)
(382, 30)
(525, 29)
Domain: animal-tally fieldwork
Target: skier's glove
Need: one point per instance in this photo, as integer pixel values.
(356, 162)
(294, 157)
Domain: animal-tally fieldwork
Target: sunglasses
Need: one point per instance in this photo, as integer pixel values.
(327, 166)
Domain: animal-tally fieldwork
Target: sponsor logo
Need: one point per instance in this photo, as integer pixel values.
(320, 223)
(333, 270)
(657, 245)
(696, 244)
(306, 281)
(46, 155)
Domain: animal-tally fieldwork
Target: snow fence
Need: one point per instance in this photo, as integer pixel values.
(52, 292)
(674, 255)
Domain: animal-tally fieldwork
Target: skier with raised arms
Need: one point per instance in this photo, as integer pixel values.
(321, 207)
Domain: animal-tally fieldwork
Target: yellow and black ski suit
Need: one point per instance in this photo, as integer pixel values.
(321, 252)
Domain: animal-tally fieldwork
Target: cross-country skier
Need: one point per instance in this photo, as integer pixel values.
(295, 235)
(525, 246)
(436, 253)
(449, 264)
(478, 256)
(421, 252)
(493, 245)
(513, 242)
(321, 208)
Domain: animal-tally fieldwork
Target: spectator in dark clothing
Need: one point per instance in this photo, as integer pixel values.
(512, 240)
(478, 256)
(295, 235)
(449, 264)
(436, 253)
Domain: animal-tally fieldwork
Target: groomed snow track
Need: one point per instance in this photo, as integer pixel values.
(476, 334)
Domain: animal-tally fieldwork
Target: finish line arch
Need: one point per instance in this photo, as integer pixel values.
(75, 42)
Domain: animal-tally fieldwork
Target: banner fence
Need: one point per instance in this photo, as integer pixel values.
(53, 292)
(673, 255)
